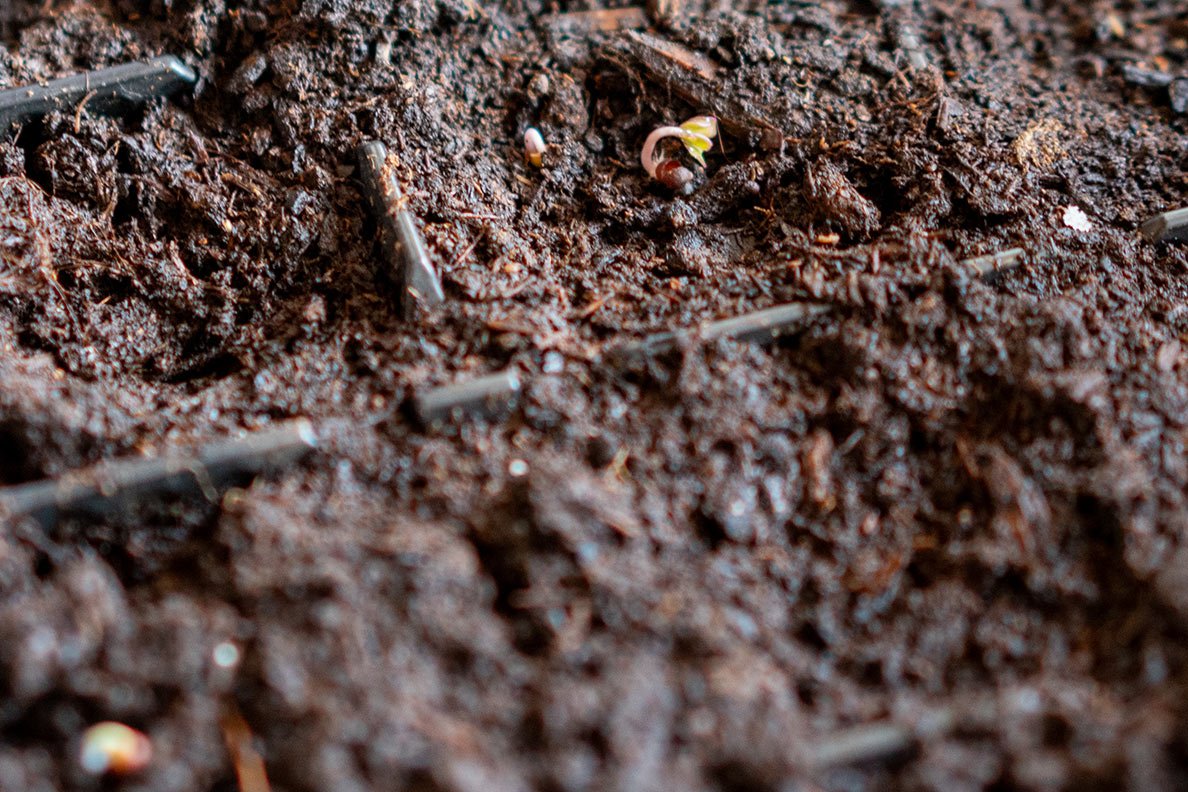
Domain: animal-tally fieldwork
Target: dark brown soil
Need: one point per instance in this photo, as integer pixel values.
(949, 501)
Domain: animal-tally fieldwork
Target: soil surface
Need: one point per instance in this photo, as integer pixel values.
(955, 508)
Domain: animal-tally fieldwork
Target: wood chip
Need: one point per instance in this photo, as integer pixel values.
(696, 79)
(679, 55)
(984, 266)
(602, 20)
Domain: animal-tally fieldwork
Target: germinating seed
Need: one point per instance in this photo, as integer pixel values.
(111, 747)
(534, 147)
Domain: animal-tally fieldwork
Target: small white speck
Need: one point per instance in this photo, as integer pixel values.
(1076, 219)
(226, 655)
(1028, 700)
(553, 363)
(517, 468)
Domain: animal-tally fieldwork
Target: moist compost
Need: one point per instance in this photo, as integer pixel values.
(934, 540)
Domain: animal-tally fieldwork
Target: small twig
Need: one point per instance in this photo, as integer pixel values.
(876, 741)
(763, 326)
(506, 326)
(480, 216)
(106, 488)
(769, 324)
(487, 396)
(757, 327)
(593, 307)
(249, 765)
(78, 111)
(494, 296)
(403, 245)
(1167, 227)
(110, 90)
(984, 266)
(460, 257)
(862, 744)
(242, 183)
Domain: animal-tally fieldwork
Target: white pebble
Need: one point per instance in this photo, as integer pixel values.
(1076, 219)
(226, 655)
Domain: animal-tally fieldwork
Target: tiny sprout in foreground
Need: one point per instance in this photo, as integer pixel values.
(696, 135)
(534, 147)
(111, 747)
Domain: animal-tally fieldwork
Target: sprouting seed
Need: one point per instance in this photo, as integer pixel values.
(534, 147)
(111, 747)
(696, 135)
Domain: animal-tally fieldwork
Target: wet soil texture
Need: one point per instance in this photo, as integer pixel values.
(935, 540)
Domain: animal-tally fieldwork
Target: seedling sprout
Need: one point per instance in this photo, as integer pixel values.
(697, 135)
(111, 747)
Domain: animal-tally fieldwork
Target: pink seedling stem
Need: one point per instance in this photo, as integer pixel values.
(647, 157)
